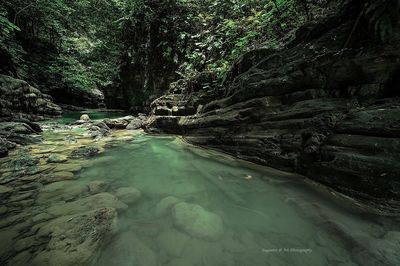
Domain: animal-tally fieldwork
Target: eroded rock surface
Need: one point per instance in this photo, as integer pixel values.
(312, 107)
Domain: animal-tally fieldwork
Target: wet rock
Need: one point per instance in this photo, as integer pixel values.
(19, 99)
(68, 167)
(3, 210)
(41, 217)
(57, 158)
(85, 152)
(118, 123)
(100, 200)
(136, 123)
(128, 195)
(98, 186)
(163, 208)
(5, 146)
(173, 242)
(22, 258)
(5, 191)
(85, 118)
(197, 222)
(76, 239)
(61, 191)
(7, 243)
(127, 249)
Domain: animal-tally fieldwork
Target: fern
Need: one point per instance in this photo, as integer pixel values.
(383, 17)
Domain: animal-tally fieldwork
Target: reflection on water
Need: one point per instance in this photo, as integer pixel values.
(202, 208)
(71, 117)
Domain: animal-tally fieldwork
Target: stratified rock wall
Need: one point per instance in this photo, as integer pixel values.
(327, 106)
(18, 99)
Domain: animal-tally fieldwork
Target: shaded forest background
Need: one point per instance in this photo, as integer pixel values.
(132, 50)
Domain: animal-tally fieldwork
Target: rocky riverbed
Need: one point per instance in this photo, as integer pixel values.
(102, 192)
(45, 209)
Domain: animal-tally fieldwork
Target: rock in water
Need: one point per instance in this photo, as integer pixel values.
(85, 118)
(84, 152)
(101, 200)
(56, 158)
(196, 221)
(173, 242)
(76, 239)
(128, 195)
(165, 205)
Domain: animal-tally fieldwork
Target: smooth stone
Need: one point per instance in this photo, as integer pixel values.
(85, 118)
(62, 190)
(197, 222)
(98, 186)
(57, 158)
(100, 200)
(173, 242)
(126, 250)
(164, 206)
(76, 239)
(128, 195)
(63, 175)
(69, 167)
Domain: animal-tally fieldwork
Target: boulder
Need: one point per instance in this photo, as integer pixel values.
(172, 242)
(164, 206)
(85, 118)
(76, 239)
(118, 123)
(100, 200)
(197, 222)
(128, 195)
(98, 186)
(21, 100)
(85, 152)
(136, 123)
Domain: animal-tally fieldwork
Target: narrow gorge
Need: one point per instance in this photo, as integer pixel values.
(200, 132)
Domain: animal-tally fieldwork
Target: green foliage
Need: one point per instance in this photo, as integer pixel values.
(7, 27)
(383, 16)
(222, 30)
(63, 43)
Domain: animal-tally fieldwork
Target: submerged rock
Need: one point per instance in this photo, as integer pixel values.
(126, 250)
(197, 222)
(164, 206)
(173, 242)
(57, 158)
(100, 200)
(128, 195)
(98, 186)
(76, 239)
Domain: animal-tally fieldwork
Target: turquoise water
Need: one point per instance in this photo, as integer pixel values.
(268, 217)
(70, 117)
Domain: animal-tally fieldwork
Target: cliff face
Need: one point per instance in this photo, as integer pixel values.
(326, 106)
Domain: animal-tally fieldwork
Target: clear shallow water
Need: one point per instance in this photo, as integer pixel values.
(70, 117)
(268, 217)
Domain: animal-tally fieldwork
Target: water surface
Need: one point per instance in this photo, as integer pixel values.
(269, 217)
